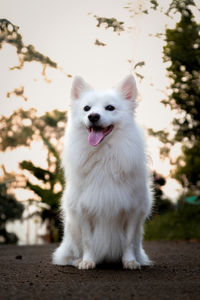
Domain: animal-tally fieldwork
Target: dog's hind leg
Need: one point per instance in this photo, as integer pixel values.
(140, 254)
(69, 251)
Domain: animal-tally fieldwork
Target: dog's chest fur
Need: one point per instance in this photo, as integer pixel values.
(105, 176)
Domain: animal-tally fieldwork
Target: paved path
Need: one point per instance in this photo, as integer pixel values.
(26, 273)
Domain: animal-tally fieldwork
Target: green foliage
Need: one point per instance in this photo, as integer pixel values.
(110, 23)
(53, 118)
(48, 179)
(19, 92)
(10, 210)
(188, 172)
(182, 50)
(22, 127)
(47, 195)
(9, 33)
(99, 43)
(46, 190)
(182, 53)
(40, 173)
(135, 68)
(183, 223)
(154, 4)
(180, 6)
(163, 136)
(13, 131)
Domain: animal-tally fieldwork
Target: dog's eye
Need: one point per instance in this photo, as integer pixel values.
(110, 107)
(86, 108)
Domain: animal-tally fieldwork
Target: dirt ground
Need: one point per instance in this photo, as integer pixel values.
(26, 272)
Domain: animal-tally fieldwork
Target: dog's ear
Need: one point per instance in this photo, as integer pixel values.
(128, 88)
(79, 86)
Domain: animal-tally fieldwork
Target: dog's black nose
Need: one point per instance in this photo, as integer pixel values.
(94, 118)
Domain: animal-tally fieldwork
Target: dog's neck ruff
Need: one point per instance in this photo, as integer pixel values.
(97, 134)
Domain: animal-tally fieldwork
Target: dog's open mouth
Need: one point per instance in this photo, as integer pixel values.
(97, 134)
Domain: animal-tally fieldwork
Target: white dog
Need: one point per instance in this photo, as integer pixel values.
(107, 195)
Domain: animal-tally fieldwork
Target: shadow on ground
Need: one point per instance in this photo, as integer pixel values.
(26, 272)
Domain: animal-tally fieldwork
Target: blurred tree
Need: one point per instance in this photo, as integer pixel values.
(99, 43)
(10, 210)
(49, 189)
(21, 129)
(24, 127)
(110, 23)
(9, 33)
(118, 27)
(188, 170)
(182, 53)
(182, 223)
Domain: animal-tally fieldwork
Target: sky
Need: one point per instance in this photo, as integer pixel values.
(65, 30)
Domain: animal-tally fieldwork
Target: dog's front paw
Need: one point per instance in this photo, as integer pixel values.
(76, 262)
(86, 265)
(143, 259)
(131, 265)
(59, 259)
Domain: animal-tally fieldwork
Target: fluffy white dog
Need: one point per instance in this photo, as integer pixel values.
(107, 195)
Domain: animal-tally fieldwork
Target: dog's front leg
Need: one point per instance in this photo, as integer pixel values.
(88, 255)
(128, 258)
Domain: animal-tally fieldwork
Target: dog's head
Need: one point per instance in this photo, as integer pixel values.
(101, 113)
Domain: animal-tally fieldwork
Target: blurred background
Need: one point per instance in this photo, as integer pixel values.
(43, 45)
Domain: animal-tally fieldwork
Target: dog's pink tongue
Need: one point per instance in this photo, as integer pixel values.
(95, 137)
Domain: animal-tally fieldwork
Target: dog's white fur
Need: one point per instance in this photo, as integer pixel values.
(107, 195)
